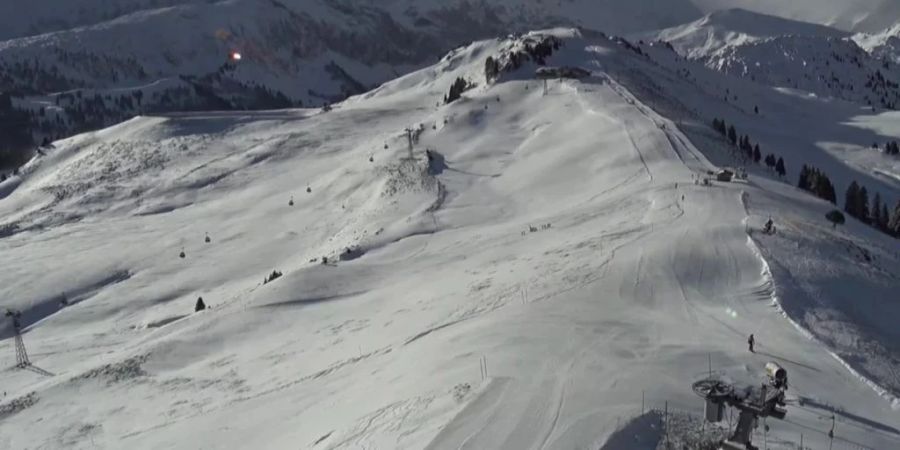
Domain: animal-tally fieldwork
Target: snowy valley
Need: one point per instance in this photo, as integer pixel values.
(474, 254)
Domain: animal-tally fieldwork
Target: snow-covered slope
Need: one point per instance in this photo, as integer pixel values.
(113, 59)
(827, 67)
(44, 16)
(787, 54)
(854, 15)
(547, 265)
(828, 134)
(78, 66)
(733, 27)
(885, 45)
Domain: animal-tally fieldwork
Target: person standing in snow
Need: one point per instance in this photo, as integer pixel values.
(750, 341)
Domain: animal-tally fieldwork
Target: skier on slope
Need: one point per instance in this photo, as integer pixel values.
(770, 226)
(750, 342)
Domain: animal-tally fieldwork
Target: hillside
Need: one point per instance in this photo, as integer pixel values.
(884, 45)
(90, 67)
(538, 272)
(71, 67)
(45, 16)
(787, 54)
(826, 67)
(712, 34)
(857, 15)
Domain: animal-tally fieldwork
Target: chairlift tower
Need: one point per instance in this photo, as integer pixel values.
(409, 138)
(22, 360)
(751, 402)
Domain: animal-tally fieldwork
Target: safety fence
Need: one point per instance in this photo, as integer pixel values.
(687, 429)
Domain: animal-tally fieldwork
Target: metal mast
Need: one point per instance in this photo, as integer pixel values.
(22, 360)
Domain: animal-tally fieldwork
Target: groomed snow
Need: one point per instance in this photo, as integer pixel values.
(632, 279)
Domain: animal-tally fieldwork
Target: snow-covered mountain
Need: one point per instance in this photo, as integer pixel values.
(44, 16)
(77, 66)
(712, 34)
(827, 67)
(849, 15)
(885, 45)
(787, 54)
(129, 57)
(544, 268)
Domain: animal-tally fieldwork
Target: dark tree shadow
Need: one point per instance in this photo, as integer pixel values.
(37, 370)
(806, 401)
(788, 361)
(310, 300)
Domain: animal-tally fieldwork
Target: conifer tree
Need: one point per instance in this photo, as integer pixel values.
(894, 225)
(851, 197)
(835, 217)
(863, 202)
(803, 182)
(779, 167)
(876, 210)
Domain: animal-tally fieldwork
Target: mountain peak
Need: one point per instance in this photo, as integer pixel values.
(730, 27)
(884, 45)
(739, 20)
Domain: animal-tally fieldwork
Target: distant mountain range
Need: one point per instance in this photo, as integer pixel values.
(790, 54)
(67, 67)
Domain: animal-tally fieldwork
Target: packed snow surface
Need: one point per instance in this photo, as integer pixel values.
(526, 284)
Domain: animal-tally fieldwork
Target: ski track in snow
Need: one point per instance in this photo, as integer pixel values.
(628, 290)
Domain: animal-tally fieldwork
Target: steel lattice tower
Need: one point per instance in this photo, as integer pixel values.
(21, 354)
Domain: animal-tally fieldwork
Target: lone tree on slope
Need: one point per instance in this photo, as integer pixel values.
(835, 217)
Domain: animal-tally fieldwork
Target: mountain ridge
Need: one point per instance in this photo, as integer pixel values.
(134, 57)
(540, 236)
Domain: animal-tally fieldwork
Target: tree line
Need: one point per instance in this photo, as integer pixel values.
(456, 89)
(856, 202)
(890, 148)
(877, 215)
(816, 182)
(750, 151)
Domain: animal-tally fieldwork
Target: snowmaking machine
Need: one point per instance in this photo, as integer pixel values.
(751, 402)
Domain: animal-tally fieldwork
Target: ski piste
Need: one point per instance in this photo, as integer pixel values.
(554, 267)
